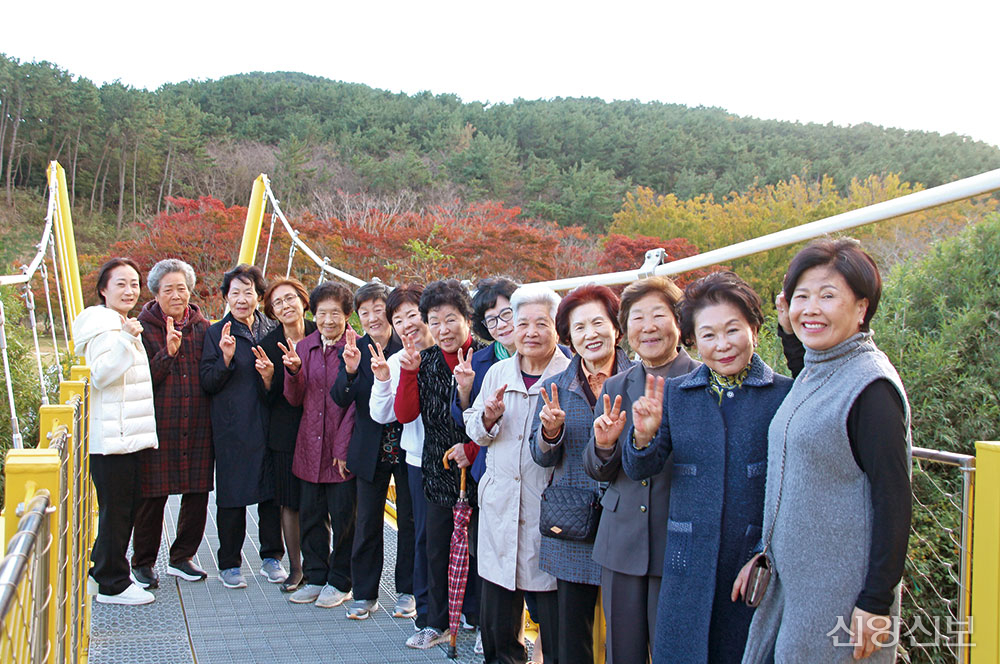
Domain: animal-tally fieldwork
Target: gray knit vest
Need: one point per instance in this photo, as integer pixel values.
(823, 530)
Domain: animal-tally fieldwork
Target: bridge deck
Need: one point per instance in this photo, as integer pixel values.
(206, 623)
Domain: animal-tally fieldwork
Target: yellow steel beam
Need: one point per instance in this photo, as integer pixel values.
(67, 246)
(986, 557)
(255, 219)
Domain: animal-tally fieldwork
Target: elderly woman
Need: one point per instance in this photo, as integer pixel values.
(285, 301)
(424, 392)
(122, 423)
(403, 309)
(837, 511)
(328, 487)
(633, 528)
(375, 456)
(587, 320)
(240, 420)
(173, 333)
(714, 422)
(500, 420)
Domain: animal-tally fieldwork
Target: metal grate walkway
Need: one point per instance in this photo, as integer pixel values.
(205, 623)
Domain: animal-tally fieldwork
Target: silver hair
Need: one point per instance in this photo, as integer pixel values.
(165, 267)
(535, 294)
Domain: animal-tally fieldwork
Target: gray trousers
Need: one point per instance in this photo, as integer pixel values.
(626, 599)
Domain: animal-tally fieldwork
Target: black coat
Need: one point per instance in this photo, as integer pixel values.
(284, 426)
(363, 453)
(239, 416)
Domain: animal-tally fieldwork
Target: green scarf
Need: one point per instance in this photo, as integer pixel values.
(720, 384)
(499, 351)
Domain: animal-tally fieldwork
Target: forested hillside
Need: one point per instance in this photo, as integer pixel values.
(570, 161)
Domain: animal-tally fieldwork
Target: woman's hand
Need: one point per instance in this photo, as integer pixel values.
(781, 305)
(464, 377)
(173, 337)
(379, 366)
(742, 580)
(647, 412)
(290, 358)
(227, 343)
(410, 358)
(868, 632)
(609, 426)
(132, 326)
(352, 356)
(341, 466)
(457, 454)
(493, 408)
(552, 416)
(263, 365)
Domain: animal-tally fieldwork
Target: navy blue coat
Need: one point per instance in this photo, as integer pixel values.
(716, 508)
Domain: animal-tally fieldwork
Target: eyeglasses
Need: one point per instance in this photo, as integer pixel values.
(505, 315)
(284, 302)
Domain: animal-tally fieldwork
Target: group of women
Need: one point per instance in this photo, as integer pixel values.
(721, 511)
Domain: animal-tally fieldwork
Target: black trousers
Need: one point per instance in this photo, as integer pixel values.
(232, 522)
(440, 523)
(149, 529)
(116, 481)
(326, 506)
(630, 612)
(500, 618)
(367, 557)
(577, 602)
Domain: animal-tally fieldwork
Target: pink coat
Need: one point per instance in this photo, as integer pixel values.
(325, 429)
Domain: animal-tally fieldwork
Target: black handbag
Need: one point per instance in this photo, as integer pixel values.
(570, 513)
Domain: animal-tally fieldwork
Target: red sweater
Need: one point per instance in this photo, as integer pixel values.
(406, 405)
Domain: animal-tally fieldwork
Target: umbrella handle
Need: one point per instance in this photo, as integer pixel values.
(462, 483)
(444, 460)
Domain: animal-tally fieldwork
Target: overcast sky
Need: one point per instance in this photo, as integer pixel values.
(896, 63)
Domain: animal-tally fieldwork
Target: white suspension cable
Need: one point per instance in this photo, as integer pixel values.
(303, 246)
(62, 310)
(16, 440)
(48, 307)
(291, 254)
(29, 305)
(28, 272)
(267, 252)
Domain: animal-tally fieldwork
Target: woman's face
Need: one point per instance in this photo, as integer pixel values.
(122, 291)
(287, 306)
(330, 319)
(824, 310)
(173, 296)
(407, 322)
(242, 299)
(652, 330)
(592, 333)
(534, 331)
(495, 315)
(448, 326)
(724, 338)
(373, 320)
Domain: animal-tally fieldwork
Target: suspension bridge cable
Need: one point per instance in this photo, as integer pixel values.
(62, 310)
(16, 440)
(29, 305)
(48, 307)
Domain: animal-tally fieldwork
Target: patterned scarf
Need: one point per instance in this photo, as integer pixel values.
(720, 384)
(499, 351)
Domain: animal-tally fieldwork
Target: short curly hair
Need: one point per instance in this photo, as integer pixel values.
(717, 288)
(662, 286)
(445, 292)
(248, 273)
(582, 295)
(332, 290)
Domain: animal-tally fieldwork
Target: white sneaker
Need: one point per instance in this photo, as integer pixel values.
(478, 649)
(92, 587)
(427, 638)
(331, 596)
(133, 596)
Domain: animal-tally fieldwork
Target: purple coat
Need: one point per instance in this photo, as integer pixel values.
(325, 429)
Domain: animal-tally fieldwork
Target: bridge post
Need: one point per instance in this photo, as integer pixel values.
(66, 244)
(985, 617)
(255, 220)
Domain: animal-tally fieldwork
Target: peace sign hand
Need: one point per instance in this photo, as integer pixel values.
(227, 343)
(609, 426)
(410, 358)
(494, 408)
(290, 358)
(552, 416)
(464, 374)
(263, 365)
(379, 366)
(352, 356)
(647, 412)
(173, 337)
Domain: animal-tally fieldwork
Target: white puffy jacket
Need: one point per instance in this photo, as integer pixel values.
(121, 396)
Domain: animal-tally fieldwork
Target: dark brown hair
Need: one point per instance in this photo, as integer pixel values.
(718, 288)
(662, 286)
(488, 290)
(849, 260)
(582, 295)
(332, 290)
(248, 273)
(295, 284)
(445, 292)
(104, 275)
(399, 296)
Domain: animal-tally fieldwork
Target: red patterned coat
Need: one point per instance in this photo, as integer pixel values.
(185, 460)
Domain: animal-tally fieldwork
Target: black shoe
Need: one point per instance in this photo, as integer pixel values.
(145, 577)
(187, 570)
(292, 584)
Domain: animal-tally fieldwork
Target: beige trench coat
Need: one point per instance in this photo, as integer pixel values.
(510, 491)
